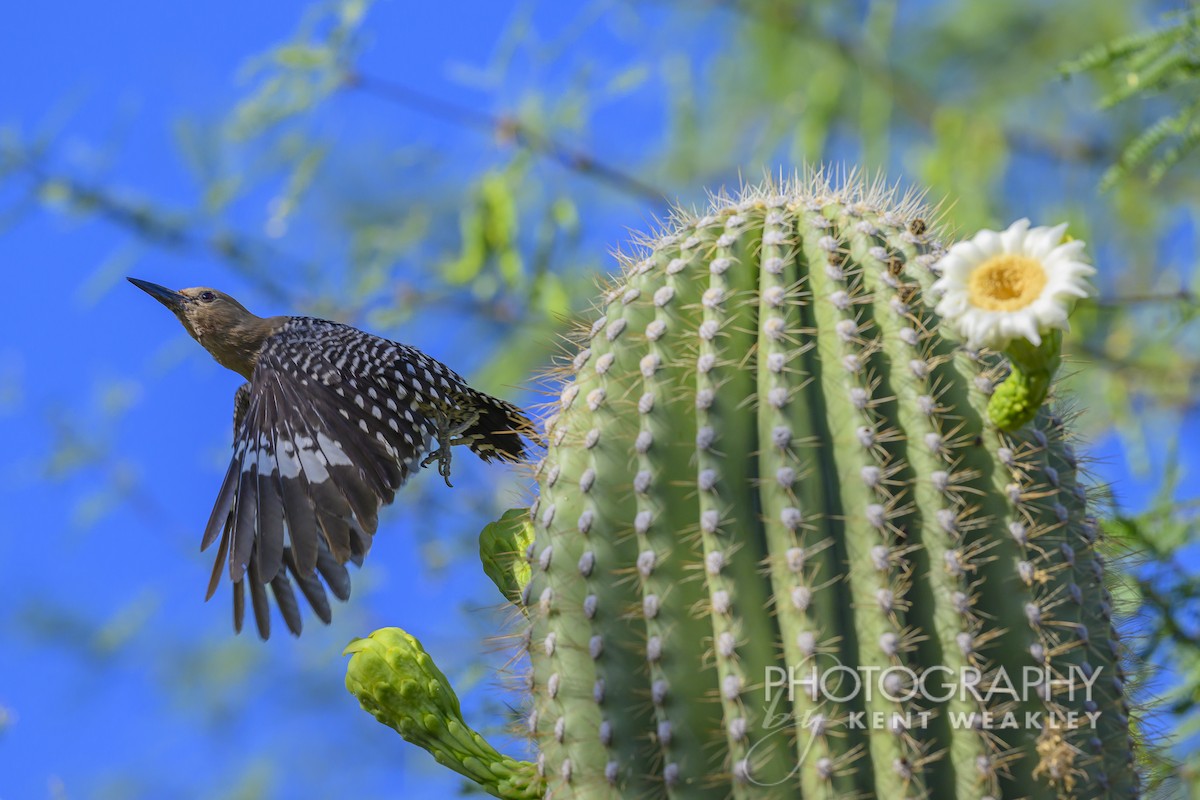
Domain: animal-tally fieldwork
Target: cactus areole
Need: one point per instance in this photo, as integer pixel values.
(782, 549)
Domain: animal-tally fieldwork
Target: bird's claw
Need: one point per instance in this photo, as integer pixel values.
(442, 456)
(447, 436)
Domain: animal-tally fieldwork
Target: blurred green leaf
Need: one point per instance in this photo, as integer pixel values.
(303, 56)
(489, 229)
(628, 80)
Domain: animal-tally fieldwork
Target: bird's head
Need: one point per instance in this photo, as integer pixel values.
(214, 319)
(202, 311)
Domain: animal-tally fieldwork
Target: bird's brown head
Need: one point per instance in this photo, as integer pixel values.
(214, 319)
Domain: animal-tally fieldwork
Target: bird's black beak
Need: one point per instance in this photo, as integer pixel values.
(168, 297)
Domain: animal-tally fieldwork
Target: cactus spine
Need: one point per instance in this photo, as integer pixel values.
(766, 456)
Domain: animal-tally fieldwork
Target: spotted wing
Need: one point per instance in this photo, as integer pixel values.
(317, 452)
(493, 428)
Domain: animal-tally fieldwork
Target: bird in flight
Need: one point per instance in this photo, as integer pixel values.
(331, 422)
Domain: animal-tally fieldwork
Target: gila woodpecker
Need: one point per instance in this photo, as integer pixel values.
(330, 424)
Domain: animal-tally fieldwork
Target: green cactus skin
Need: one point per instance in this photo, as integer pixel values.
(766, 455)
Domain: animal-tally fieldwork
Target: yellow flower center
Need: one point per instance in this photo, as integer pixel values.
(1006, 283)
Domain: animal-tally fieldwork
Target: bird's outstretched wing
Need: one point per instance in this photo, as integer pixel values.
(321, 446)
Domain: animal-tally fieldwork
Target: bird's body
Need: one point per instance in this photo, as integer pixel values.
(330, 425)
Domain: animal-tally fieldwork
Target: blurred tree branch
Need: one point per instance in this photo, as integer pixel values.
(1182, 296)
(504, 128)
(172, 230)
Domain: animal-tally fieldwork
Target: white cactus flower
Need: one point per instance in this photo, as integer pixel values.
(1003, 285)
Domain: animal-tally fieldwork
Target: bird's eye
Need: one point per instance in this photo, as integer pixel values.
(207, 297)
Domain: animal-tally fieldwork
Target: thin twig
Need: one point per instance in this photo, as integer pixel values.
(1185, 296)
(1166, 607)
(1187, 371)
(248, 256)
(504, 127)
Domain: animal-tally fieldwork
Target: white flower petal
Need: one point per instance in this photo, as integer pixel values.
(988, 243)
(1068, 251)
(953, 304)
(994, 325)
(1042, 241)
(1026, 325)
(1014, 238)
(960, 260)
(1049, 312)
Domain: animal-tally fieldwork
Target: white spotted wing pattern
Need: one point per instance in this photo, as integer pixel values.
(332, 423)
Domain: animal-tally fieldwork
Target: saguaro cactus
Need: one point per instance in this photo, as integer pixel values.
(780, 547)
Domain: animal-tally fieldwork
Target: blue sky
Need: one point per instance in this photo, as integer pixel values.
(112, 670)
(117, 680)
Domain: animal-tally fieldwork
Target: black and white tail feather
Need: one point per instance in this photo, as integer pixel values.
(332, 423)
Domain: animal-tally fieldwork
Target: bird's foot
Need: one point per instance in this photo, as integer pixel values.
(448, 438)
(442, 455)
